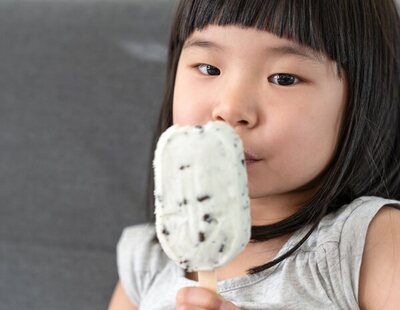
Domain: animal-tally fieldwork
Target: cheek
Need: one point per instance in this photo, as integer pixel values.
(304, 146)
(182, 111)
(190, 105)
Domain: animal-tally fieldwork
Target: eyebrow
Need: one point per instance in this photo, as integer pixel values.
(297, 50)
(284, 50)
(202, 44)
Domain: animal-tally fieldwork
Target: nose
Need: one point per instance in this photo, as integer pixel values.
(236, 105)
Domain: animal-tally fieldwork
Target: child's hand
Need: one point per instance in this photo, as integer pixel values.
(198, 298)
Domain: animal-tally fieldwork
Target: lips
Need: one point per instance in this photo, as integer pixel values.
(251, 158)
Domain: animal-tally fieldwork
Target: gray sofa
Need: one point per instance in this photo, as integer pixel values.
(80, 87)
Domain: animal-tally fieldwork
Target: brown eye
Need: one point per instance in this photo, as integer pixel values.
(209, 70)
(284, 79)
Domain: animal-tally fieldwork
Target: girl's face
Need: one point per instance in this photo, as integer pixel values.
(284, 100)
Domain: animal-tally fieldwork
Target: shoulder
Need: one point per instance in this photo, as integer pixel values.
(380, 268)
(139, 249)
(340, 240)
(132, 234)
(349, 224)
(139, 259)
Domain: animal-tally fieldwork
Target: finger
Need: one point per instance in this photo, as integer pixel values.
(199, 297)
(227, 305)
(189, 307)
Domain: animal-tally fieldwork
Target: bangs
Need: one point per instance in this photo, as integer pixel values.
(297, 20)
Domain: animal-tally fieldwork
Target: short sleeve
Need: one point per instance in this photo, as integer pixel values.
(352, 242)
(139, 258)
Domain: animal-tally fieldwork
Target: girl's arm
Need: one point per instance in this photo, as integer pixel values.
(380, 268)
(120, 300)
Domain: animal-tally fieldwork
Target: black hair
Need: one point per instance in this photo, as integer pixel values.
(362, 37)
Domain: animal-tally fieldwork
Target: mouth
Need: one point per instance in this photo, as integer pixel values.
(251, 158)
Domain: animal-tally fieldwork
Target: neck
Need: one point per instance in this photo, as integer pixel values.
(274, 208)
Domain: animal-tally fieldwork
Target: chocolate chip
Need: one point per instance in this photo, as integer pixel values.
(202, 237)
(221, 249)
(207, 218)
(183, 167)
(202, 198)
(200, 128)
(243, 162)
(183, 202)
(165, 231)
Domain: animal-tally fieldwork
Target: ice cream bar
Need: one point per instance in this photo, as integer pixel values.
(201, 195)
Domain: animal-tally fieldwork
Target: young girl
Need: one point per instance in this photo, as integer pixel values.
(312, 88)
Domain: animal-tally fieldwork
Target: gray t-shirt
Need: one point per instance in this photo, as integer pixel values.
(322, 274)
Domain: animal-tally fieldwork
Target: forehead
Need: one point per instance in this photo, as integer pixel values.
(229, 38)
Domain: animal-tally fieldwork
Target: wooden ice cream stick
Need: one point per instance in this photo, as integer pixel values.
(208, 280)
